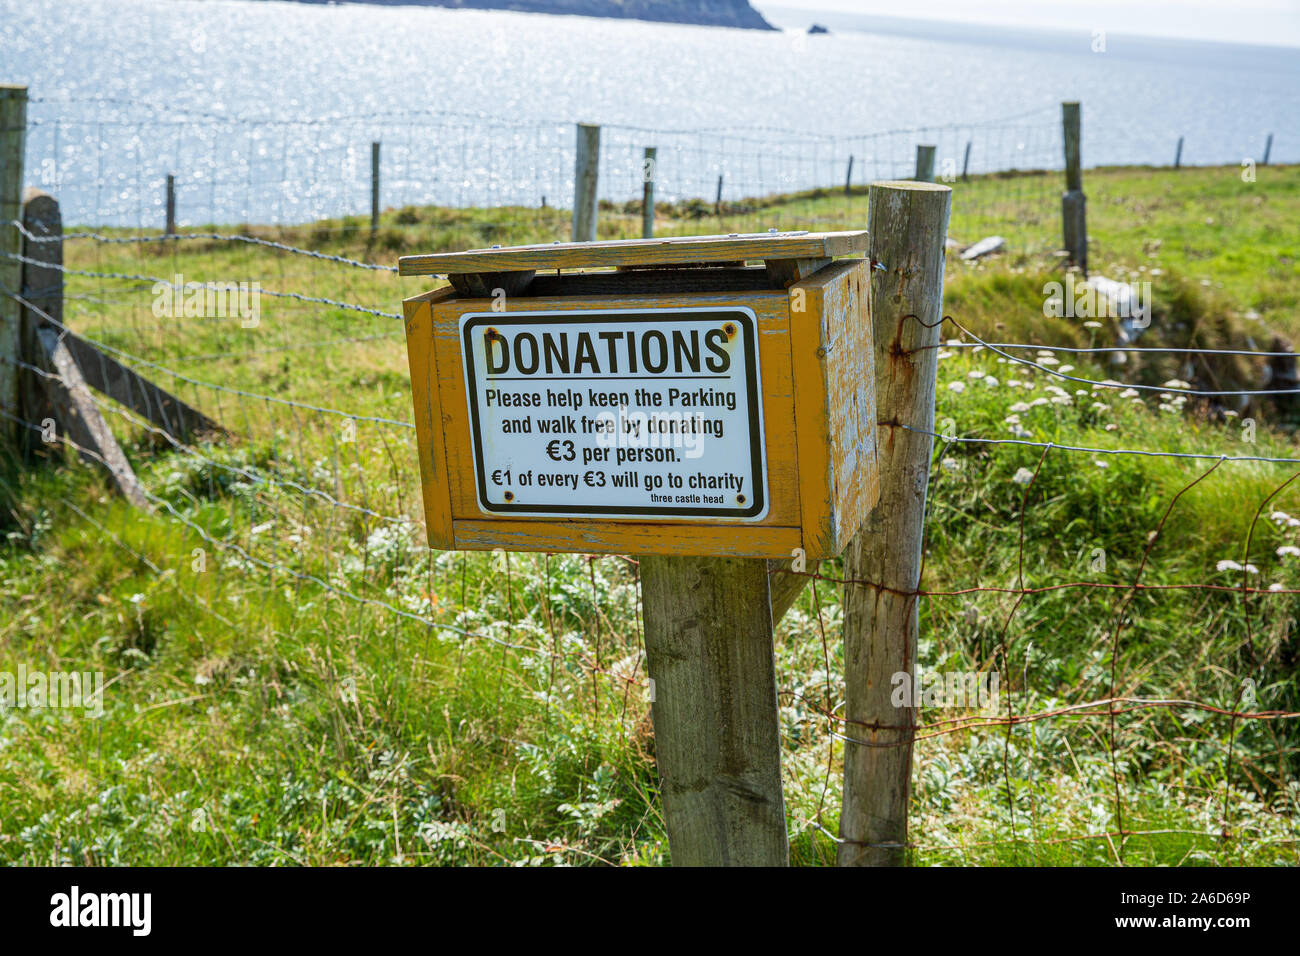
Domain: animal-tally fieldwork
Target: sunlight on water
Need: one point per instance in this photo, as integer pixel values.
(266, 111)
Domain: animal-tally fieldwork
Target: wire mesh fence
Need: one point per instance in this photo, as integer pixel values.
(272, 309)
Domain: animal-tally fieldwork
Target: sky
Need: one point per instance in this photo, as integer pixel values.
(1275, 22)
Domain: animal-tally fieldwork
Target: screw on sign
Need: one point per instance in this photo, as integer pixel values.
(670, 402)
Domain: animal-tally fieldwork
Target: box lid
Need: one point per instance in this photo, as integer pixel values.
(682, 250)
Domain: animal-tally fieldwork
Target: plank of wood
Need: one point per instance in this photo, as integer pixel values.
(594, 255)
(43, 287)
(626, 537)
(908, 225)
(160, 407)
(434, 483)
(709, 654)
(81, 420)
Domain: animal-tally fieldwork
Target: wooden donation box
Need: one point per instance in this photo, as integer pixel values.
(694, 396)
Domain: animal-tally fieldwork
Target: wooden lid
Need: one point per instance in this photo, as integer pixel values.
(638, 252)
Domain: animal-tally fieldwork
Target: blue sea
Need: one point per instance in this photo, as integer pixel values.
(265, 111)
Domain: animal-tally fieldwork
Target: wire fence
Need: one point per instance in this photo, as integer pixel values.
(309, 494)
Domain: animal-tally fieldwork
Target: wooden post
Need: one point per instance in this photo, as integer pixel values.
(1073, 202)
(43, 287)
(717, 200)
(965, 163)
(374, 190)
(171, 206)
(925, 164)
(648, 175)
(586, 169)
(908, 223)
(709, 653)
(848, 178)
(1268, 148)
(1178, 154)
(13, 132)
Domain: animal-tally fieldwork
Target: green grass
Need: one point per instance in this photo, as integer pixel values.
(366, 701)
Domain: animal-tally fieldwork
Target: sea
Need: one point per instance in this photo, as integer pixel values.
(266, 111)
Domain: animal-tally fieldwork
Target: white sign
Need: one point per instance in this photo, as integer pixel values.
(621, 413)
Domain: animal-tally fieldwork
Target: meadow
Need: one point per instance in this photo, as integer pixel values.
(294, 678)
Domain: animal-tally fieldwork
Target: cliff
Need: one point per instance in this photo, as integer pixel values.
(714, 13)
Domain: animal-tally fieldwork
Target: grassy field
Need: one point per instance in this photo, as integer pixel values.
(294, 679)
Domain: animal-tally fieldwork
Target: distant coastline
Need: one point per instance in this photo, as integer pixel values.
(710, 13)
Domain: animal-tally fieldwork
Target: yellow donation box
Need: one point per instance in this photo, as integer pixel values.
(707, 395)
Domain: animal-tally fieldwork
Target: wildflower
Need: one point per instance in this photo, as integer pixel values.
(1288, 551)
(957, 387)
(975, 374)
(950, 464)
(990, 381)
(1023, 477)
(1020, 407)
(1129, 393)
(1234, 566)
(1090, 324)
(1101, 464)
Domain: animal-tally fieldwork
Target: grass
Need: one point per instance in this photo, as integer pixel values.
(294, 679)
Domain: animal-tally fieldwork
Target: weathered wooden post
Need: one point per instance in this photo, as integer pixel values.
(925, 164)
(374, 190)
(908, 223)
(13, 133)
(648, 175)
(1268, 148)
(43, 288)
(1178, 154)
(717, 200)
(586, 171)
(708, 416)
(169, 207)
(1073, 202)
(848, 178)
(965, 163)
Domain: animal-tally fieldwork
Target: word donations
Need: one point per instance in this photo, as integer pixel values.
(618, 413)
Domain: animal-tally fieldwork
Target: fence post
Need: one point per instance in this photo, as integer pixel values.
(169, 207)
(43, 287)
(965, 163)
(710, 658)
(1268, 148)
(1178, 154)
(586, 169)
(848, 178)
(1073, 203)
(908, 223)
(925, 164)
(717, 200)
(13, 132)
(374, 190)
(648, 174)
